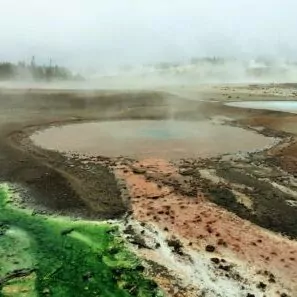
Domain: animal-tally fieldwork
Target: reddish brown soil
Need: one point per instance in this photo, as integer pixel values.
(201, 223)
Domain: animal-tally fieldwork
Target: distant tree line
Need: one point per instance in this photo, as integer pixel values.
(21, 70)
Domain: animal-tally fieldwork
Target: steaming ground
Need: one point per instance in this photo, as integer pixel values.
(193, 75)
(226, 223)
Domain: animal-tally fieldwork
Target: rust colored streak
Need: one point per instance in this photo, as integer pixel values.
(201, 222)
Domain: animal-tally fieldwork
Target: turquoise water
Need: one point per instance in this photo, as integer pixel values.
(158, 133)
(167, 130)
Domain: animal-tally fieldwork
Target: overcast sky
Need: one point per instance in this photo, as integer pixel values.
(95, 32)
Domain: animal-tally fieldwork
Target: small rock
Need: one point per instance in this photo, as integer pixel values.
(225, 267)
(210, 248)
(271, 280)
(215, 260)
(138, 170)
(261, 286)
(176, 245)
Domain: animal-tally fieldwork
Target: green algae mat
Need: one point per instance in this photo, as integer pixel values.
(49, 256)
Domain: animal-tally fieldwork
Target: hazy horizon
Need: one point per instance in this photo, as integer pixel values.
(108, 33)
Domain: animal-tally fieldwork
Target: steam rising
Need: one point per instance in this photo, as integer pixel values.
(255, 40)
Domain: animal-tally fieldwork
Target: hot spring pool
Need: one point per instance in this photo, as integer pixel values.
(147, 138)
